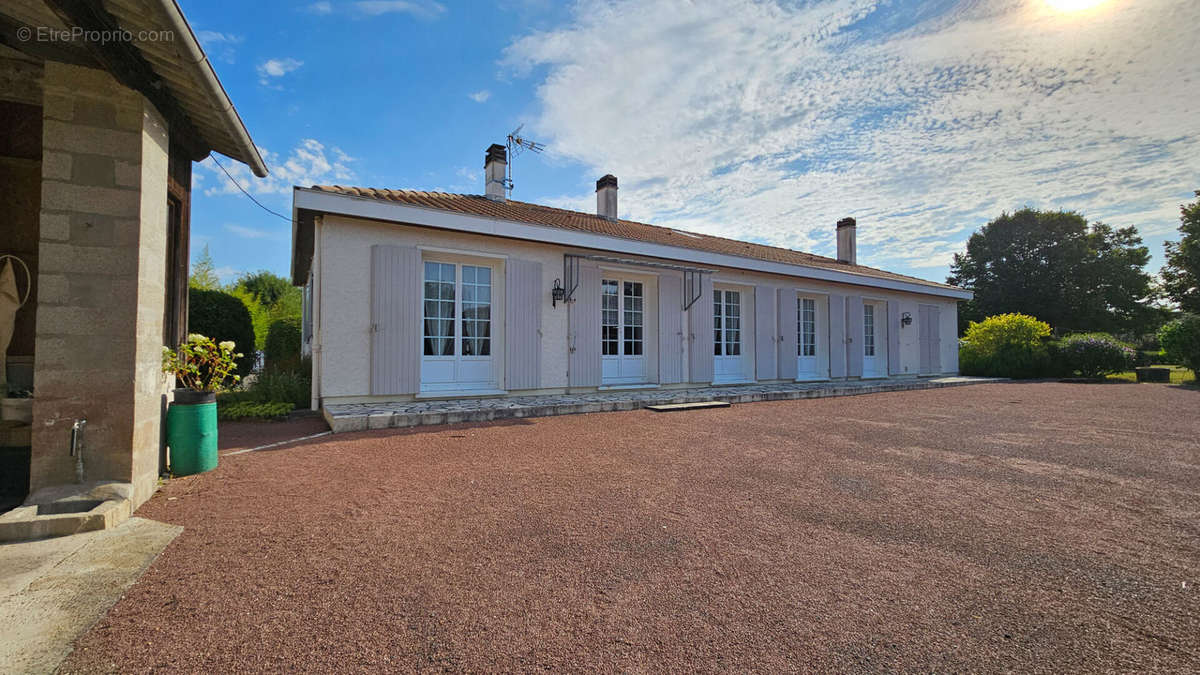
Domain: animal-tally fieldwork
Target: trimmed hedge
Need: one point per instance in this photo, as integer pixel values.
(1095, 354)
(221, 316)
(281, 350)
(1181, 342)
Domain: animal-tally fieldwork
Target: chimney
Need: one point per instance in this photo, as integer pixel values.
(494, 167)
(847, 247)
(606, 197)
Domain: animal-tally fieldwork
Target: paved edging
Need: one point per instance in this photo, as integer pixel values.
(361, 417)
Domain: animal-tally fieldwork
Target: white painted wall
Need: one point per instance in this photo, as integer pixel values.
(343, 293)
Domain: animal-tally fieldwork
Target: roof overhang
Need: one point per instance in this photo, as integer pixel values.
(174, 74)
(307, 202)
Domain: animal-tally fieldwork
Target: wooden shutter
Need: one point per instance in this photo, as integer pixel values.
(766, 333)
(893, 337)
(670, 329)
(837, 335)
(700, 334)
(396, 280)
(854, 336)
(523, 324)
(787, 338)
(583, 361)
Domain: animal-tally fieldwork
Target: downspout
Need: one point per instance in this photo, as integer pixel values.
(212, 86)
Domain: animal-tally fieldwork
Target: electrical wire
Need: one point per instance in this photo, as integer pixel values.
(239, 186)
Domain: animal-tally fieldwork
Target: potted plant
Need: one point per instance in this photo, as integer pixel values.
(201, 367)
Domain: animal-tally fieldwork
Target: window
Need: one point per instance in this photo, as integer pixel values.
(439, 309)
(727, 323)
(476, 311)
(622, 313)
(869, 330)
(807, 328)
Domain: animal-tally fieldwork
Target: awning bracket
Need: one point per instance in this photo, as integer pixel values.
(693, 286)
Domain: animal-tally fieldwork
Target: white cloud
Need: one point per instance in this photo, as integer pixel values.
(251, 232)
(308, 164)
(220, 45)
(276, 68)
(421, 10)
(227, 274)
(320, 8)
(480, 96)
(751, 119)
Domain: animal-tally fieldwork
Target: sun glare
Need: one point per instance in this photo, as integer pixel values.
(1073, 5)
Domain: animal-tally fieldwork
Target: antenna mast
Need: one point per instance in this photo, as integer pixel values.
(516, 144)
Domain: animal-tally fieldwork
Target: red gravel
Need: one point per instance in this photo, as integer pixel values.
(993, 527)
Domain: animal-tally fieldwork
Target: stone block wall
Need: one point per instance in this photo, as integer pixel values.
(102, 250)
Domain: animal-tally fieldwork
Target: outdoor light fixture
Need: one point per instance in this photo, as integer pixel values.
(558, 293)
(906, 319)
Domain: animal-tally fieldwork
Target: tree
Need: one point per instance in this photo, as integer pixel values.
(204, 273)
(1052, 265)
(1181, 274)
(269, 298)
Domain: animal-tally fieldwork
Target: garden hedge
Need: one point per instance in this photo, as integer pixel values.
(221, 316)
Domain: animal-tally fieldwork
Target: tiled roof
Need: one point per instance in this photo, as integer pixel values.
(537, 214)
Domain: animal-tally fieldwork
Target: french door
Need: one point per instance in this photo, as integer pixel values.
(729, 357)
(457, 328)
(806, 339)
(874, 341)
(622, 331)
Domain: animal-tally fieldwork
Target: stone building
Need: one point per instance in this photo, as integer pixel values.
(103, 108)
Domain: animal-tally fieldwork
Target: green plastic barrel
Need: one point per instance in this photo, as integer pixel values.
(192, 432)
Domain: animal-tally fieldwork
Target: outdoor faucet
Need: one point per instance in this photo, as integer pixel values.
(77, 447)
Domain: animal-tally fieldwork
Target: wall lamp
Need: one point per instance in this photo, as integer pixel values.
(906, 319)
(558, 293)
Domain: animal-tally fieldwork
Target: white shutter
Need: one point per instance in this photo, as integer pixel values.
(523, 324)
(700, 334)
(670, 329)
(396, 279)
(893, 337)
(787, 337)
(583, 361)
(837, 335)
(854, 333)
(766, 333)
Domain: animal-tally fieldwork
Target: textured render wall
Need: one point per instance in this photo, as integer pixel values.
(102, 252)
(343, 261)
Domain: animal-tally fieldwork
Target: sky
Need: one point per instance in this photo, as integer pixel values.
(762, 120)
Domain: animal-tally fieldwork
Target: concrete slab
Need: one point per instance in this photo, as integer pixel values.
(54, 590)
(698, 405)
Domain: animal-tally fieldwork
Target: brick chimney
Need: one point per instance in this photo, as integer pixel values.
(847, 247)
(606, 197)
(494, 167)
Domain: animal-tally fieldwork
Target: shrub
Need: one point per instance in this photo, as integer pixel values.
(1005, 345)
(290, 386)
(1181, 342)
(1095, 354)
(282, 347)
(223, 317)
(251, 410)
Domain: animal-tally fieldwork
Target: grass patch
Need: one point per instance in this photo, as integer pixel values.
(1179, 375)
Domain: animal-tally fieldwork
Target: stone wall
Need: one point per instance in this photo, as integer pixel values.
(102, 251)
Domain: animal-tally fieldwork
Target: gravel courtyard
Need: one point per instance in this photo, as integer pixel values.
(993, 527)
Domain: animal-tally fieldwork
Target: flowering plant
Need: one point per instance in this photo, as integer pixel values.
(201, 364)
(1095, 354)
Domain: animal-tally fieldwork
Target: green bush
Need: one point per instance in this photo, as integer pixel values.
(223, 317)
(282, 348)
(1005, 345)
(1181, 342)
(1094, 354)
(251, 410)
(291, 386)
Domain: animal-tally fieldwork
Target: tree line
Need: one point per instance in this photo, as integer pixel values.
(1077, 276)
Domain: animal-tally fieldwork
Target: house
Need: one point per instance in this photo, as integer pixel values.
(413, 295)
(104, 107)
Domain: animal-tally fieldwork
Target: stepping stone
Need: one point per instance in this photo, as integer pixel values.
(676, 407)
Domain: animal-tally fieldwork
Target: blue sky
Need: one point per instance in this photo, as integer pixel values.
(755, 119)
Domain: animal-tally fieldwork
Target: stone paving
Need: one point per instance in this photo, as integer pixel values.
(362, 416)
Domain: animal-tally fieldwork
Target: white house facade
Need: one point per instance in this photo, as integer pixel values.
(412, 295)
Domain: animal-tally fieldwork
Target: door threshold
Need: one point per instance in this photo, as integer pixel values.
(729, 383)
(469, 393)
(813, 379)
(618, 387)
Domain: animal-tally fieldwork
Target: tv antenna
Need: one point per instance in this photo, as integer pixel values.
(516, 145)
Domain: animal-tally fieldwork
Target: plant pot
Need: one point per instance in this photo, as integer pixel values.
(192, 432)
(16, 410)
